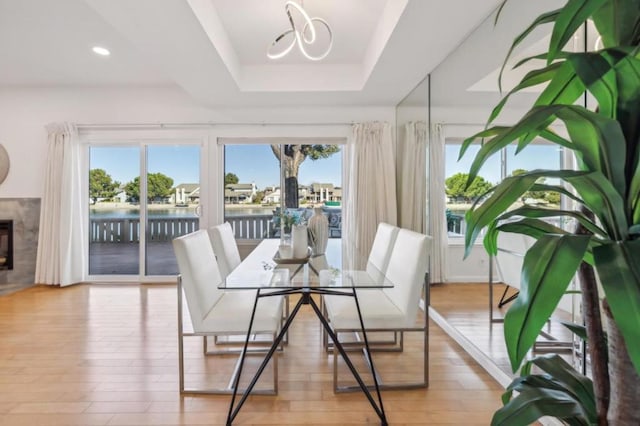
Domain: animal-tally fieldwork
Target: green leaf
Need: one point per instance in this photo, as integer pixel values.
(533, 78)
(533, 403)
(596, 73)
(569, 20)
(502, 197)
(548, 267)
(577, 329)
(540, 56)
(483, 212)
(534, 228)
(617, 22)
(537, 212)
(599, 195)
(543, 187)
(618, 266)
(564, 88)
(493, 131)
(545, 18)
(600, 142)
(535, 119)
(581, 387)
(551, 136)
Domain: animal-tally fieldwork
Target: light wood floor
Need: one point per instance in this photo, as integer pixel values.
(107, 355)
(465, 306)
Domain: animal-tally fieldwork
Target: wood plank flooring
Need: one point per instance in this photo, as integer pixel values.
(107, 355)
(465, 306)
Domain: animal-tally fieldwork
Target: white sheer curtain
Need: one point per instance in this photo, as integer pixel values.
(437, 204)
(61, 240)
(412, 177)
(370, 188)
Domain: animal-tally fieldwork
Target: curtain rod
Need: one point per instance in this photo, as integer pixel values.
(203, 124)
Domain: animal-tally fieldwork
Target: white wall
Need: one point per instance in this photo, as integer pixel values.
(474, 268)
(24, 114)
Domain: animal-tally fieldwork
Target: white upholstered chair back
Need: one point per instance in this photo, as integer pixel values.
(225, 248)
(381, 249)
(511, 250)
(200, 274)
(408, 264)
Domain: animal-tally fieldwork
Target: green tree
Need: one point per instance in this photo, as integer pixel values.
(456, 186)
(101, 185)
(259, 197)
(159, 186)
(536, 195)
(290, 160)
(230, 178)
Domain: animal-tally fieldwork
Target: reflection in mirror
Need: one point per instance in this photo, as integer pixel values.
(412, 162)
(464, 90)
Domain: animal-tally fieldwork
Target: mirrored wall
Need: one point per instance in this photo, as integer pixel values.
(456, 100)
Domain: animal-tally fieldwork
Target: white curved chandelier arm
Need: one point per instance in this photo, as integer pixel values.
(300, 37)
(284, 52)
(326, 52)
(306, 17)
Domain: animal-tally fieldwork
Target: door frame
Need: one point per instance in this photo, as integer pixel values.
(143, 138)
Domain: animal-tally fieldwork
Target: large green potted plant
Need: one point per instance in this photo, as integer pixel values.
(605, 189)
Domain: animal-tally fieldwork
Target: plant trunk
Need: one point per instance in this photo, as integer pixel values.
(624, 406)
(291, 192)
(597, 345)
(290, 165)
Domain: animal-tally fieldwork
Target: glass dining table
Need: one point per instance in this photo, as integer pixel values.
(324, 276)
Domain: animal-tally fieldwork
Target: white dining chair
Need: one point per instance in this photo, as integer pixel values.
(389, 309)
(225, 248)
(213, 311)
(376, 266)
(381, 248)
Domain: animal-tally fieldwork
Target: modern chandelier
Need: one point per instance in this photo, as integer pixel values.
(303, 38)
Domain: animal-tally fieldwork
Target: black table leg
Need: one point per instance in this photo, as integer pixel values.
(379, 408)
(233, 411)
(306, 299)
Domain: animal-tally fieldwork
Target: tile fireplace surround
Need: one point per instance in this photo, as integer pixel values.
(25, 213)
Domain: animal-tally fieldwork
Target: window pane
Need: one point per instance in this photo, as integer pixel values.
(459, 200)
(537, 156)
(173, 194)
(114, 216)
(252, 193)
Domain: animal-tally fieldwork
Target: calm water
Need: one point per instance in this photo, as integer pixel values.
(172, 212)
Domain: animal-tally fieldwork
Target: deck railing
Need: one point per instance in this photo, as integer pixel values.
(127, 230)
(251, 227)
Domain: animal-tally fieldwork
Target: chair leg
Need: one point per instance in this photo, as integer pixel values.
(180, 337)
(226, 391)
(387, 386)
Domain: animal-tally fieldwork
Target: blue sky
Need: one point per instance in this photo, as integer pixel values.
(533, 157)
(181, 163)
(256, 163)
(251, 163)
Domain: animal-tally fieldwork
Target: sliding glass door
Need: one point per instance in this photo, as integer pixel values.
(141, 196)
(173, 203)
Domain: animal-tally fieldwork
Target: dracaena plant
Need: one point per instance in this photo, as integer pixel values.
(604, 188)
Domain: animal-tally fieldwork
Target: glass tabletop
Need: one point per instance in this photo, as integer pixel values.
(259, 270)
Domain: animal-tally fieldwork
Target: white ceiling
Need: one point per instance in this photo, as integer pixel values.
(215, 49)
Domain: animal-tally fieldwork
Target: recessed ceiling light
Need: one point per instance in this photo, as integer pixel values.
(101, 51)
